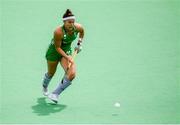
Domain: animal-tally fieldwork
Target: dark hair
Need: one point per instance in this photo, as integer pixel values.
(68, 13)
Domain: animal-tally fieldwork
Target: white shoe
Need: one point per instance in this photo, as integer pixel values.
(45, 91)
(53, 97)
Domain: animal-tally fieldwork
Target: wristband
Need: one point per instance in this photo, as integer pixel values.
(79, 41)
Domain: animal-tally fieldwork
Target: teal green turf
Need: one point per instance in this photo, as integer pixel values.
(130, 55)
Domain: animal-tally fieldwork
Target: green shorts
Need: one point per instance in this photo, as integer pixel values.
(53, 55)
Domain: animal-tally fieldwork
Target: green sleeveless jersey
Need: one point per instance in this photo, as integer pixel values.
(67, 40)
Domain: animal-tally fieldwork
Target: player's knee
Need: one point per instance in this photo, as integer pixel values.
(72, 75)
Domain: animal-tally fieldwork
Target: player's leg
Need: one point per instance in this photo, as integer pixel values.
(52, 65)
(66, 80)
(71, 73)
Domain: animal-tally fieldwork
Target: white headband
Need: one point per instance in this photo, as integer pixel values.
(68, 18)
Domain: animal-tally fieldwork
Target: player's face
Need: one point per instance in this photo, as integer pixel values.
(69, 24)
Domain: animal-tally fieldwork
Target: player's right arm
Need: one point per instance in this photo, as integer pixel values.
(57, 42)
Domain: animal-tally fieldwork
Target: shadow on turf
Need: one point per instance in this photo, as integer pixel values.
(42, 108)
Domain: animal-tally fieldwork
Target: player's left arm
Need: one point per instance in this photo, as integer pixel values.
(80, 29)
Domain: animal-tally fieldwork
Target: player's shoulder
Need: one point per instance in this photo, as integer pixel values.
(58, 31)
(78, 26)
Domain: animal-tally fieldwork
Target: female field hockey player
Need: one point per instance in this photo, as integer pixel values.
(60, 51)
